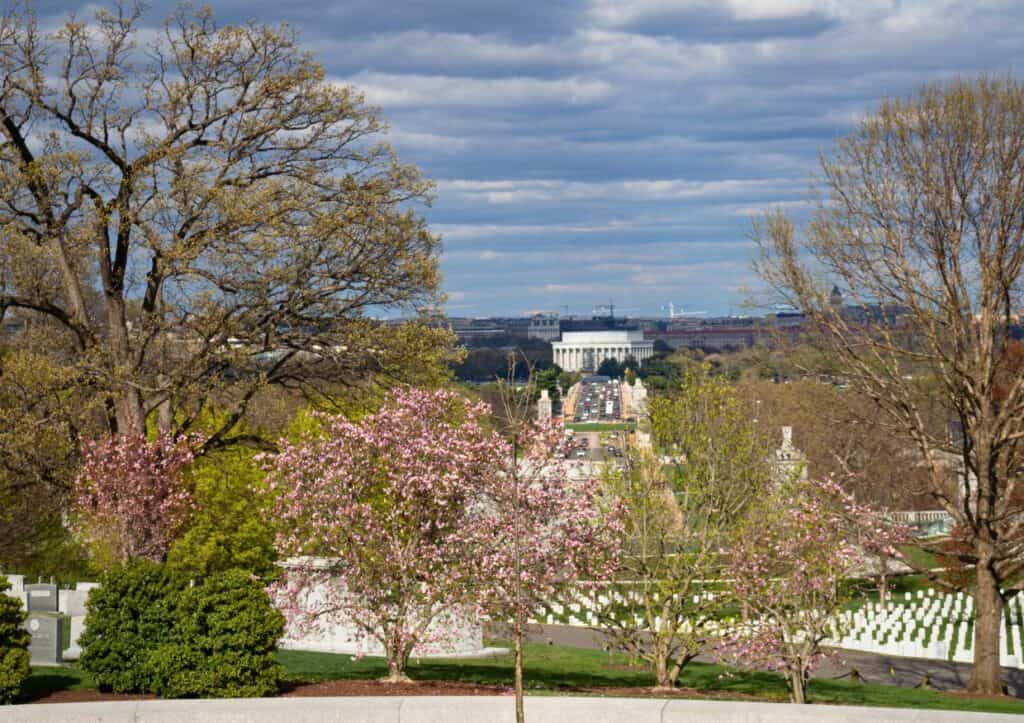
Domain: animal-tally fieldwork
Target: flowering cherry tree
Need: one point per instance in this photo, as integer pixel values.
(129, 499)
(377, 516)
(789, 566)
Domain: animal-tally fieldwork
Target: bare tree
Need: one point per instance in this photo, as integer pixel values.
(199, 206)
(920, 225)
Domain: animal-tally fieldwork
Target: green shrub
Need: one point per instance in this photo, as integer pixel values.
(222, 646)
(14, 658)
(129, 615)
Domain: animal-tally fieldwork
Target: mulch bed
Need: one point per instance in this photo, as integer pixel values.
(88, 696)
(332, 688)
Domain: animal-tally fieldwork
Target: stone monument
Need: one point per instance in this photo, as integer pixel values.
(788, 462)
(544, 406)
(638, 399)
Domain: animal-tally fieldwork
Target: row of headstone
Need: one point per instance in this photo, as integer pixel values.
(928, 625)
(49, 610)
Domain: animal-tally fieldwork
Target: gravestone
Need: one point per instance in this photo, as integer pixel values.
(47, 633)
(72, 602)
(17, 583)
(42, 598)
(74, 650)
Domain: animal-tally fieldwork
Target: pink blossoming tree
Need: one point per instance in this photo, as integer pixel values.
(566, 529)
(403, 519)
(789, 566)
(384, 504)
(129, 498)
(551, 528)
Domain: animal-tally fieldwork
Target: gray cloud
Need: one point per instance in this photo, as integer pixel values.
(600, 148)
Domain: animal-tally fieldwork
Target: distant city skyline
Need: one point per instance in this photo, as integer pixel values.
(593, 149)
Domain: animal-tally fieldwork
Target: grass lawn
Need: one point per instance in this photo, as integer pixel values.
(553, 669)
(601, 426)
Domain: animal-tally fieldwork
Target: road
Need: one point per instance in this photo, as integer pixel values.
(881, 669)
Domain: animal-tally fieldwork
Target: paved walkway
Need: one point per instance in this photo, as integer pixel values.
(882, 669)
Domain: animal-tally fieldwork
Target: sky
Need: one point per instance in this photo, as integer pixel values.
(588, 151)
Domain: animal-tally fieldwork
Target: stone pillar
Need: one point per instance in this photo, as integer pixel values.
(544, 406)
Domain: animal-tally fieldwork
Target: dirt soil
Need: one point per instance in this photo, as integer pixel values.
(88, 696)
(330, 688)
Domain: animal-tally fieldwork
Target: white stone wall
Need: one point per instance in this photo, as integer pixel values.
(462, 634)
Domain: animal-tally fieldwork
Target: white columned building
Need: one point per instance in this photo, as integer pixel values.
(585, 350)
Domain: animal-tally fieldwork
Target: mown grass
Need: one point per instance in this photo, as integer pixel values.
(556, 669)
(600, 426)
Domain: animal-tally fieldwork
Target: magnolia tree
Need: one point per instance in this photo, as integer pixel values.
(790, 566)
(551, 531)
(129, 498)
(376, 513)
(557, 520)
(551, 525)
(405, 518)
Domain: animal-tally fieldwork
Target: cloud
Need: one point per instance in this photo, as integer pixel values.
(723, 20)
(587, 148)
(438, 91)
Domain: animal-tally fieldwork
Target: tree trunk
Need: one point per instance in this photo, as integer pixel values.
(664, 680)
(518, 585)
(518, 646)
(797, 686)
(661, 672)
(131, 417)
(987, 677)
(398, 657)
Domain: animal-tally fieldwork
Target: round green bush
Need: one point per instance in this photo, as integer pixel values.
(223, 642)
(14, 657)
(128, 616)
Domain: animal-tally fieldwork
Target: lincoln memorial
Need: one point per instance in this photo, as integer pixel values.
(583, 351)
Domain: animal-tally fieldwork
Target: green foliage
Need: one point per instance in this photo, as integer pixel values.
(149, 632)
(231, 527)
(722, 454)
(223, 642)
(548, 379)
(485, 364)
(14, 657)
(130, 614)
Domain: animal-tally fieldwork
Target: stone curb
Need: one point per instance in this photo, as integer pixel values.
(468, 709)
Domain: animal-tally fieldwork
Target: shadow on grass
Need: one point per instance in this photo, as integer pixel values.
(45, 681)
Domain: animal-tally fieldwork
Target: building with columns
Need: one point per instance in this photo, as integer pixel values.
(583, 351)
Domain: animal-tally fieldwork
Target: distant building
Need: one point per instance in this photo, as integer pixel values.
(546, 327)
(585, 350)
